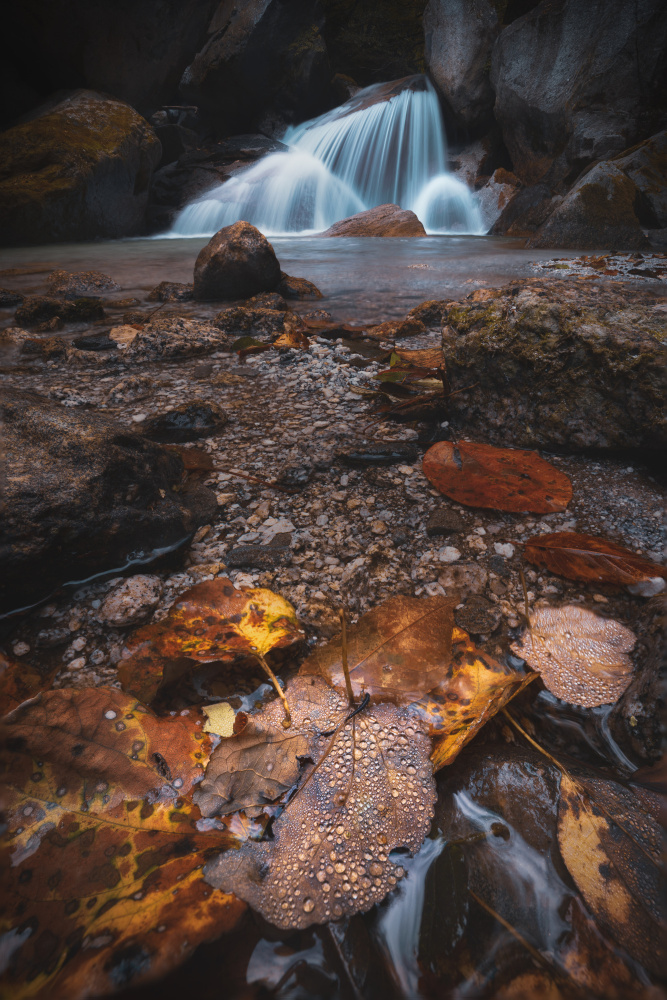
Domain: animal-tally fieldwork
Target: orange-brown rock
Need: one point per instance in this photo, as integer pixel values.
(384, 220)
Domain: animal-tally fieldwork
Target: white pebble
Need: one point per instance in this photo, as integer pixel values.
(448, 554)
(505, 549)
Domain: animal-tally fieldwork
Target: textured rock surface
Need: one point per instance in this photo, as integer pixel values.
(459, 37)
(646, 166)
(188, 422)
(81, 494)
(79, 170)
(496, 195)
(600, 212)
(385, 220)
(578, 82)
(236, 263)
(560, 364)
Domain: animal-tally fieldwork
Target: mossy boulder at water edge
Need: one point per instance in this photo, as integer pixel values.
(560, 364)
(78, 170)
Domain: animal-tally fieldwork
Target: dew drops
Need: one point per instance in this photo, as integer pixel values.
(309, 905)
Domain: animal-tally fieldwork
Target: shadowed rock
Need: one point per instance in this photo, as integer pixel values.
(384, 220)
(236, 263)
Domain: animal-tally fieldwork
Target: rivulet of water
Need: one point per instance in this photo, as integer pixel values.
(387, 144)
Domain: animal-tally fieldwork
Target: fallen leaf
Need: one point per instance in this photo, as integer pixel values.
(425, 357)
(255, 768)
(220, 718)
(211, 622)
(103, 856)
(194, 459)
(295, 339)
(592, 559)
(479, 475)
(582, 657)
(613, 849)
(371, 791)
(20, 681)
(396, 652)
(475, 688)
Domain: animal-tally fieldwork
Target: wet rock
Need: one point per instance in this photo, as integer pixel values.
(77, 170)
(295, 477)
(267, 300)
(10, 298)
(49, 325)
(95, 342)
(462, 578)
(81, 494)
(478, 616)
(444, 522)
(526, 211)
(459, 37)
(80, 284)
(396, 329)
(185, 423)
(40, 308)
(496, 195)
(167, 337)
(172, 291)
(243, 322)
(430, 313)
(258, 556)
(48, 348)
(599, 212)
(385, 220)
(378, 454)
(134, 316)
(236, 263)
(646, 166)
(297, 288)
(129, 389)
(567, 87)
(131, 601)
(560, 364)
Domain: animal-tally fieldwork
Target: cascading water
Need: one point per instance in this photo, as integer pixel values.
(386, 144)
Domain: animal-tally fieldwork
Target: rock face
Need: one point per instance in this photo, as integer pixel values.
(384, 220)
(79, 170)
(496, 195)
(560, 364)
(599, 212)
(578, 82)
(459, 37)
(82, 494)
(646, 166)
(255, 49)
(236, 263)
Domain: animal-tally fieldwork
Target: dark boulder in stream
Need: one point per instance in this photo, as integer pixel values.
(82, 495)
(560, 364)
(236, 263)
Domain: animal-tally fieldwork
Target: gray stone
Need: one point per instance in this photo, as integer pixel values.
(478, 616)
(131, 601)
(236, 263)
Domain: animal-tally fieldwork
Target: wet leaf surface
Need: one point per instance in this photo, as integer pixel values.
(479, 475)
(590, 559)
(20, 681)
(582, 657)
(371, 791)
(614, 849)
(102, 851)
(211, 622)
(396, 652)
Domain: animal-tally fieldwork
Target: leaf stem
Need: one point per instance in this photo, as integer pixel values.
(346, 671)
(276, 684)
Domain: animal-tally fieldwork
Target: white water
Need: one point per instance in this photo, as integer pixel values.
(386, 144)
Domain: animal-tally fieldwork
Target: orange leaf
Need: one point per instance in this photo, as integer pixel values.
(588, 558)
(480, 475)
(20, 681)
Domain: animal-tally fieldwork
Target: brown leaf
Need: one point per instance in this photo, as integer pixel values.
(480, 475)
(426, 357)
(591, 559)
(613, 848)
(20, 681)
(255, 768)
(211, 622)
(582, 657)
(396, 652)
(371, 791)
(103, 853)
(194, 459)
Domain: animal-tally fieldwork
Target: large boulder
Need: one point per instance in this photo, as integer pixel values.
(384, 220)
(577, 82)
(78, 170)
(261, 56)
(646, 166)
(494, 196)
(560, 364)
(81, 494)
(599, 212)
(459, 37)
(236, 263)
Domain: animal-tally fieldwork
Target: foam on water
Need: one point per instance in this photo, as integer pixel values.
(386, 144)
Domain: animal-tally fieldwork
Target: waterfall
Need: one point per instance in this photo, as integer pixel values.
(386, 144)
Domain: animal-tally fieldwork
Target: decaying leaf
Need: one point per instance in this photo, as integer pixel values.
(479, 475)
(425, 357)
(592, 559)
(613, 849)
(294, 334)
(194, 459)
(220, 718)
(371, 791)
(396, 652)
(475, 688)
(103, 855)
(211, 622)
(252, 770)
(582, 657)
(20, 681)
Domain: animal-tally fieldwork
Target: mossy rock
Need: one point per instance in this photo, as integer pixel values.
(79, 170)
(560, 364)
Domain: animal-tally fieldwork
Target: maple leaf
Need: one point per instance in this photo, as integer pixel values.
(479, 475)
(589, 558)
(211, 622)
(582, 657)
(370, 791)
(103, 854)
